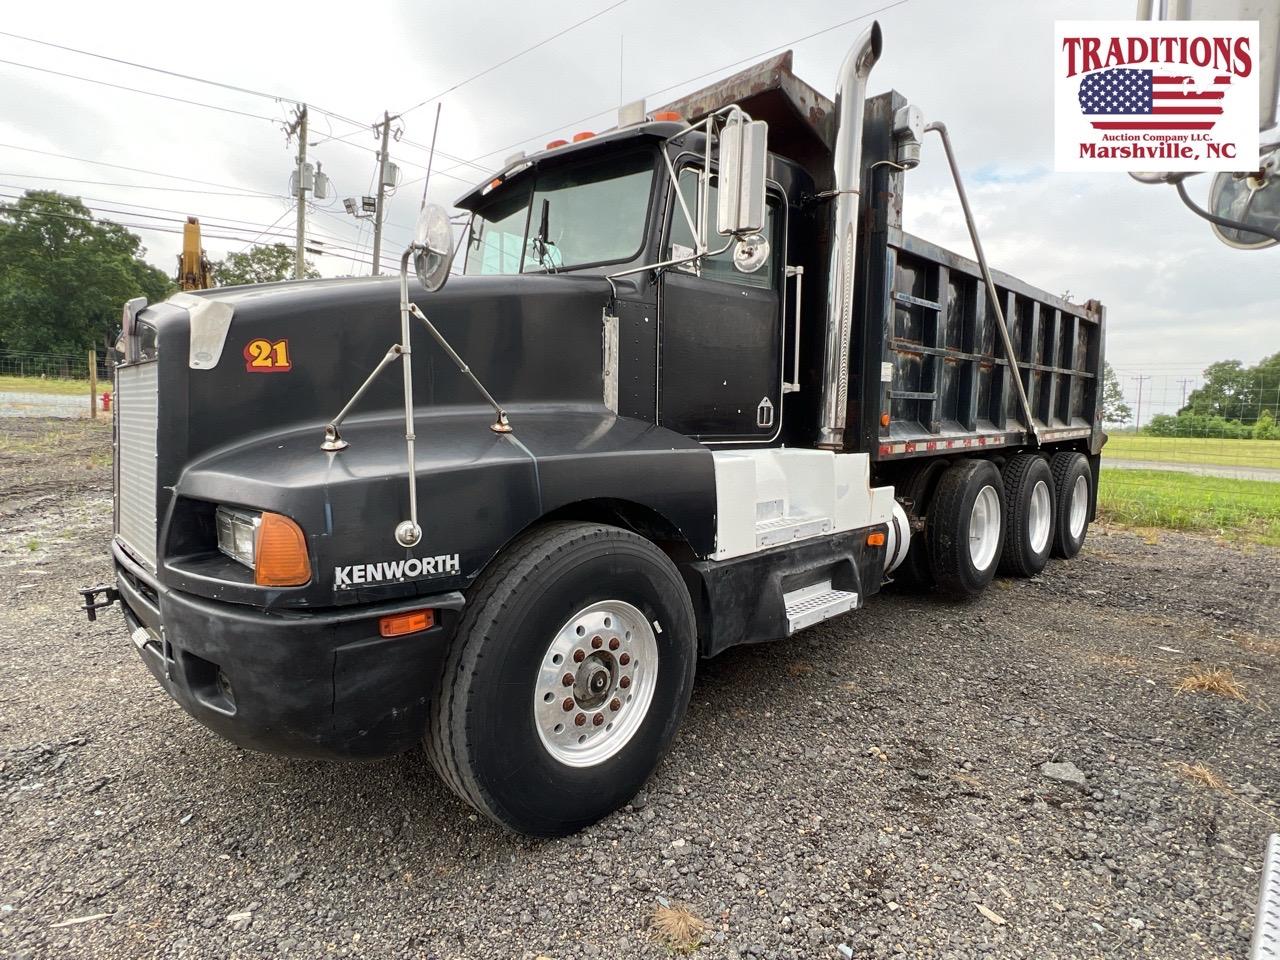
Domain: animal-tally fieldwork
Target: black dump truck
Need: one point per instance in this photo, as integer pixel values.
(691, 386)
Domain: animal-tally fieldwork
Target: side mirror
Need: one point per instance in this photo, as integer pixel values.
(1253, 199)
(743, 148)
(432, 247)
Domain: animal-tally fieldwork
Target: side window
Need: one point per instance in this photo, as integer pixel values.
(721, 267)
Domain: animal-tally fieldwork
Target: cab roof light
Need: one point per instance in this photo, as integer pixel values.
(668, 115)
(403, 624)
(552, 144)
(582, 135)
(280, 555)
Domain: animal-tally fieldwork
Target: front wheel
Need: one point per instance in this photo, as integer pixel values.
(568, 676)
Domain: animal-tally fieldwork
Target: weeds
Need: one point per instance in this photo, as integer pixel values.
(1218, 680)
(1199, 773)
(677, 928)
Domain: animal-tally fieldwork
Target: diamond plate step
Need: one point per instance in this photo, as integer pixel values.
(810, 605)
(785, 529)
(1266, 927)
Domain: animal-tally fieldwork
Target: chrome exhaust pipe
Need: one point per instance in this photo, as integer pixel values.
(851, 98)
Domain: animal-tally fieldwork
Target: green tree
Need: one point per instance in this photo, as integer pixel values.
(1114, 410)
(264, 264)
(1265, 428)
(64, 275)
(1228, 391)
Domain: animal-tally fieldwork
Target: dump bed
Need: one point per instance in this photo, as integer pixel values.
(928, 353)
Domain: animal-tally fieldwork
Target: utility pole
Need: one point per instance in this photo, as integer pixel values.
(1185, 383)
(382, 191)
(1137, 420)
(299, 126)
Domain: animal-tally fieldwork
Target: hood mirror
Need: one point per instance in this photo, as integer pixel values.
(750, 253)
(1251, 200)
(432, 247)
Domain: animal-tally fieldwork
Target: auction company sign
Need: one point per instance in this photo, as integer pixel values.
(1167, 95)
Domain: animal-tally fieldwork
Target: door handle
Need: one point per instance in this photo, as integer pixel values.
(794, 386)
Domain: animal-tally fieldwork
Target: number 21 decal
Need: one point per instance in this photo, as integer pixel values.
(267, 356)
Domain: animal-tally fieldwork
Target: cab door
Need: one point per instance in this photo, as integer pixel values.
(720, 334)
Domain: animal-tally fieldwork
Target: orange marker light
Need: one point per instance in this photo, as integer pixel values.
(669, 115)
(884, 419)
(875, 539)
(280, 555)
(552, 144)
(403, 624)
(582, 135)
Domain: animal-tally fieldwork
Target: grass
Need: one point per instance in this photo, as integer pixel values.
(1208, 450)
(677, 928)
(66, 388)
(1215, 680)
(1246, 510)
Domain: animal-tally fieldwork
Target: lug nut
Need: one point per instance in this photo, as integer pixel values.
(579, 656)
(580, 719)
(568, 704)
(596, 643)
(598, 719)
(624, 659)
(615, 704)
(624, 682)
(614, 643)
(567, 680)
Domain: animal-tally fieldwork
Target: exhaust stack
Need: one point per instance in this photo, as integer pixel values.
(851, 96)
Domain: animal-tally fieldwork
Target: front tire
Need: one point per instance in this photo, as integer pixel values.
(965, 528)
(568, 676)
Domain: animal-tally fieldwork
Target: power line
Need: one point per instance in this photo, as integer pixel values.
(138, 186)
(147, 93)
(515, 56)
(118, 166)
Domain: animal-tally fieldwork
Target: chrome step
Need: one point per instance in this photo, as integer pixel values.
(769, 533)
(1266, 927)
(813, 604)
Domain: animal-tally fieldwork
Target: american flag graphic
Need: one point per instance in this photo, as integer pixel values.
(1146, 100)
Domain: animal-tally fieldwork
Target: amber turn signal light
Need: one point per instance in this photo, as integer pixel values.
(280, 557)
(875, 539)
(401, 624)
(884, 419)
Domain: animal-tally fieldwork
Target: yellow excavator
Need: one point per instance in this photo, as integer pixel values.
(194, 270)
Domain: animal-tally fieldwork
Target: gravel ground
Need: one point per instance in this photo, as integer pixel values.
(877, 782)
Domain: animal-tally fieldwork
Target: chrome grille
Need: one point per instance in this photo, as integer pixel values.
(136, 413)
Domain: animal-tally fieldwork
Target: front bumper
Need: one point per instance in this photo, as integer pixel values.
(316, 684)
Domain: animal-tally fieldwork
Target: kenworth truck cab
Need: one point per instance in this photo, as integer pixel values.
(692, 387)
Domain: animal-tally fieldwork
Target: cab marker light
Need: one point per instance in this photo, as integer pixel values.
(403, 624)
(281, 558)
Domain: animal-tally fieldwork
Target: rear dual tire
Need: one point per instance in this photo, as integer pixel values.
(1031, 508)
(1073, 480)
(964, 533)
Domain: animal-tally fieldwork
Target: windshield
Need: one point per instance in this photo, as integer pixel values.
(583, 213)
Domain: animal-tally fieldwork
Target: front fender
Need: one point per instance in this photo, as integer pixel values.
(476, 491)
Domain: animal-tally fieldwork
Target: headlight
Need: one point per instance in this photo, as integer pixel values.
(237, 533)
(271, 545)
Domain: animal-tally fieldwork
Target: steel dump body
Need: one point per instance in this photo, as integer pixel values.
(925, 350)
(930, 355)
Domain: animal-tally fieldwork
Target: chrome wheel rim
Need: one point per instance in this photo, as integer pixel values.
(595, 683)
(1039, 516)
(984, 528)
(1079, 506)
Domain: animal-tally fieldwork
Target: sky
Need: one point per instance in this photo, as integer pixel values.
(1176, 298)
